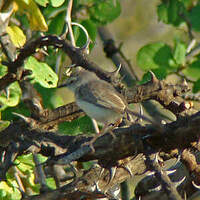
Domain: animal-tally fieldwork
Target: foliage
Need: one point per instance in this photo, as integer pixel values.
(34, 17)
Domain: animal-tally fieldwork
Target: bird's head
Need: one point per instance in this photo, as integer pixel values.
(78, 79)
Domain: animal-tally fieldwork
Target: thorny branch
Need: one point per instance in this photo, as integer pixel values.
(130, 141)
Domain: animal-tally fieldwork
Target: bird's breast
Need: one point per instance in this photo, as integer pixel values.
(100, 114)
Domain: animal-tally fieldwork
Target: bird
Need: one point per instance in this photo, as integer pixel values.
(98, 99)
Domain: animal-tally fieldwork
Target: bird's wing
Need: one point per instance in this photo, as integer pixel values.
(97, 94)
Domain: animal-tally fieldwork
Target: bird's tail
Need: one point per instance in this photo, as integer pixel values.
(156, 124)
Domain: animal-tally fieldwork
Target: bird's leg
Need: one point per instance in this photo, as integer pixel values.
(104, 130)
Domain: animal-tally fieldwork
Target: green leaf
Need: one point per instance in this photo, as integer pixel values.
(56, 3)
(57, 24)
(2, 194)
(92, 31)
(179, 52)
(154, 56)
(26, 159)
(194, 17)
(103, 12)
(193, 70)
(8, 191)
(78, 126)
(26, 165)
(159, 73)
(41, 158)
(196, 86)
(87, 165)
(3, 70)
(4, 124)
(188, 3)
(42, 2)
(162, 13)
(169, 12)
(7, 114)
(51, 12)
(12, 96)
(51, 183)
(41, 73)
(50, 99)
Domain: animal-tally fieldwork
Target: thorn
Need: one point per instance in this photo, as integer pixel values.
(177, 161)
(127, 168)
(184, 83)
(85, 47)
(44, 51)
(112, 172)
(116, 72)
(171, 171)
(24, 195)
(163, 122)
(195, 185)
(101, 172)
(95, 188)
(191, 45)
(176, 184)
(26, 119)
(156, 189)
(150, 173)
(153, 77)
(156, 159)
(141, 110)
(141, 113)
(7, 93)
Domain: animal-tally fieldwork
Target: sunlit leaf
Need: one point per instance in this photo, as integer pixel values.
(51, 183)
(16, 35)
(57, 3)
(179, 52)
(78, 126)
(12, 96)
(36, 19)
(3, 70)
(154, 56)
(8, 190)
(42, 2)
(41, 73)
(26, 159)
(193, 70)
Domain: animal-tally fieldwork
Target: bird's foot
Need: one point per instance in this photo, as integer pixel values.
(91, 142)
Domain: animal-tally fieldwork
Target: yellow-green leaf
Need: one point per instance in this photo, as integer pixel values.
(16, 35)
(3, 70)
(12, 96)
(4, 124)
(41, 73)
(36, 19)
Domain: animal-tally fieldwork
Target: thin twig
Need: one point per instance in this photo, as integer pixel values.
(18, 179)
(40, 173)
(68, 21)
